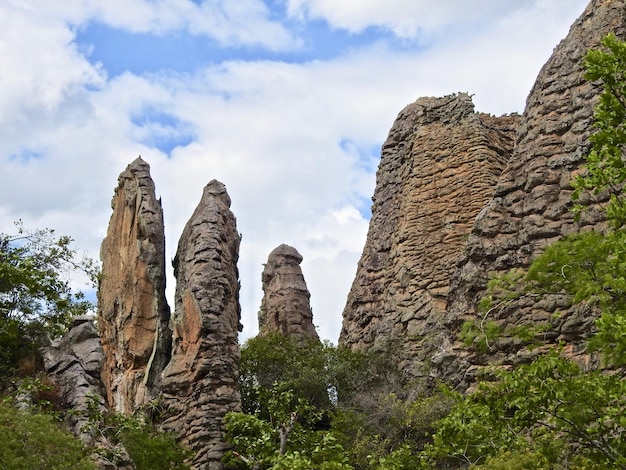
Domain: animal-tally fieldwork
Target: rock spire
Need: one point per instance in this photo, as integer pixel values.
(133, 313)
(200, 381)
(285, 307)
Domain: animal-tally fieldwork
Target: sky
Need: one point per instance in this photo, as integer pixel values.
(287, 102)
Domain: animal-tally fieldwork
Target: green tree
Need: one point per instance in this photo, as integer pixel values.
(309, 403)
(36, 442)
(36, 298)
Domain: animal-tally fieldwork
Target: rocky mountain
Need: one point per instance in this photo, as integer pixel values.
(285, 307)
(461, 201)
(531, 205)
(438, 169)
(460, 195)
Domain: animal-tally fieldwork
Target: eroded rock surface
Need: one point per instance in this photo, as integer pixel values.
(200, 381)
(285, 307)
(73, 363)
(132, 310)
(438, 168)
(531, 204)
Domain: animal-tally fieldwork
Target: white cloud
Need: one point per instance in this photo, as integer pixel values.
(230, 23)
(295, 143)
(405, 18)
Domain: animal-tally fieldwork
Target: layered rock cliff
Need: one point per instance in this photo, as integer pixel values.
(456, 201)
(133, 314)
(200, 381)
(531, 205)
(285, 307)
(438, 169)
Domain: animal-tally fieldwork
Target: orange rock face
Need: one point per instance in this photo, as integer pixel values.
(133, 314)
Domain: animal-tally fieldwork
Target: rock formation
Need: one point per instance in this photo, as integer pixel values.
(200, 381)
(285, 307)
(132, 310)
(438, 168)
(73, 363)
(531, 203)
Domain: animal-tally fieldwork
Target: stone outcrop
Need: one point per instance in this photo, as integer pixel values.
(200, 381)
(73, 363)
(285, 307)
(438, 168)
(133, 313)
(531, 203)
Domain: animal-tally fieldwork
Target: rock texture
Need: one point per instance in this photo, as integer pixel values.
(73, 363)
(285, 307)
(133, 314)
(200, 381)
(438, 168)
(531, 203)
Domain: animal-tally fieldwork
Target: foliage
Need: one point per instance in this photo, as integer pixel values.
(311, 405)
(36, 298)
(549, 407)
(35, 441)
(605, 164)
(480, 334)
(153, 450)
(286, 440)
(149, 448)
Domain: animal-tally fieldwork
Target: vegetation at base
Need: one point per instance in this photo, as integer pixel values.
(311, 405)
(31, 441)
(148, 447)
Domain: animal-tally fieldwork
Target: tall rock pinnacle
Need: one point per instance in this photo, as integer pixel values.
(531, 203)
(438, 168)
(285, 307)
(200, 381)
(133, 314)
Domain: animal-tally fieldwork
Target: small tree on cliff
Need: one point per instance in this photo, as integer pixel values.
(550, 413)
(36, 298)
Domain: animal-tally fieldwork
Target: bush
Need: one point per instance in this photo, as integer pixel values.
(36, 442)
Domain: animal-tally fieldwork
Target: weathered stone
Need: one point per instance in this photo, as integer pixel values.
(285, 307)
(73, 363)
(533, 194)
(132, 310)
(200, 381)
(438, 168)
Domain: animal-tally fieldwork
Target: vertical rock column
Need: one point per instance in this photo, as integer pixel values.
(438, 168)
(133, 314)
(285, 307)
(200, 382)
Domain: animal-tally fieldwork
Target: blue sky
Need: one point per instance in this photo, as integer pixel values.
(287, 102)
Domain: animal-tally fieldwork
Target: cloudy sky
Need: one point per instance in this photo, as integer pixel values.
(287, 102)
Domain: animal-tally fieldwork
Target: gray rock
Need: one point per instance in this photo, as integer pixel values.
(285, 307)
(200, 381)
